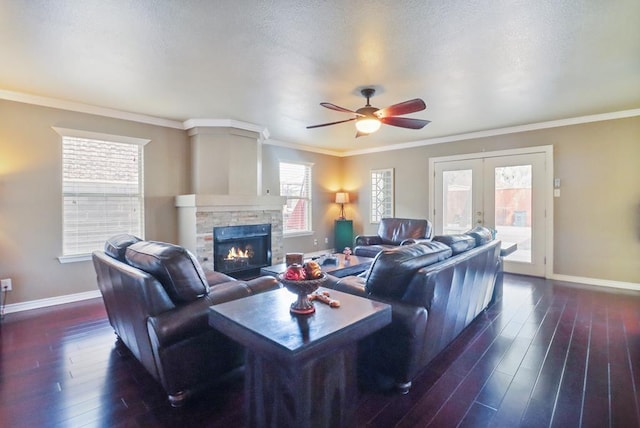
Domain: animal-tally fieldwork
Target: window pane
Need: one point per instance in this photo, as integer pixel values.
(457, 201)
(295, 184)
(102, 192)
(381, 194)
(513, 209)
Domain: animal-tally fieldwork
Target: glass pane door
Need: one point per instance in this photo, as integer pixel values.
(457, 197)
(505, 193)
(514, 206)
(459, 202)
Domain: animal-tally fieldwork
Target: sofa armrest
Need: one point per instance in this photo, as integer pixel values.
(367, 240)
(193, 318)
(214, 278)
(233, 290)
(349, 284)
(331, 281)
(396, 350)
(262, 284)
(181, 323)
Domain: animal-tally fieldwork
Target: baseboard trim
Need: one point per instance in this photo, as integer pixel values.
(599, 282)
(51, 301)
(70, 298)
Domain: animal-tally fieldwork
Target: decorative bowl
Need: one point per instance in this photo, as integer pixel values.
(302, 288)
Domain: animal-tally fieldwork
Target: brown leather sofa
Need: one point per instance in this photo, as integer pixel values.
(157, 298)
(391, 233)
(436, 289)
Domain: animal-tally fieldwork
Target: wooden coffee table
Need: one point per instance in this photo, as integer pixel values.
(300, 369)
(354, 266)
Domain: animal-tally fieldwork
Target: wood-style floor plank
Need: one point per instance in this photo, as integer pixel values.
(550, 354)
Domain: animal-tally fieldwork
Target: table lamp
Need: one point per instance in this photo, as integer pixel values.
(342, 198)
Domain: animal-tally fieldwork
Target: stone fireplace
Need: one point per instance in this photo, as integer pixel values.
(226, 176)
(198, 215)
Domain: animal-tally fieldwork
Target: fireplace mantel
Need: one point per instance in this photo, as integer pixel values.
(215, 203)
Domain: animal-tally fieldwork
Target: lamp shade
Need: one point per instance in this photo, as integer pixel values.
(342, 198)
(367, 125)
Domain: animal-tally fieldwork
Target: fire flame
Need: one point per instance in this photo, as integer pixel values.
(237, 254)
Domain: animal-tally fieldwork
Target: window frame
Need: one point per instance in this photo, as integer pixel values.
(385, 207)
(105, 138)
(309, 210)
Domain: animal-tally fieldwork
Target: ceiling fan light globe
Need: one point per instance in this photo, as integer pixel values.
(367, 125)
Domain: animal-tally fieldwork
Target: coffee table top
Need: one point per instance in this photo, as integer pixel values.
(263, 323)
(354, 266)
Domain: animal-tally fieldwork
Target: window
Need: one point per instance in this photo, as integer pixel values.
(102, 190)
(295, 184)
(381, 194)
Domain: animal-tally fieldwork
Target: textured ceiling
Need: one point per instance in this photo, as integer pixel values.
(479, 65)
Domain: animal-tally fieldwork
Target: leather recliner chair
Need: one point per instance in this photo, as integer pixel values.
(157, 298)
(393, 232)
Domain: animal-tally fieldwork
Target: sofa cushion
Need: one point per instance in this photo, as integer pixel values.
(392, 269)
(116, 246)
(457, 243)
(175, 267)
(481, 234)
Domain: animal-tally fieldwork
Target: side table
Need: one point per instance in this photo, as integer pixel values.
(343, 230)
(300, 370)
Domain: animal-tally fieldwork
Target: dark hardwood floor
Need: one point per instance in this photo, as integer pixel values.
(549, 354)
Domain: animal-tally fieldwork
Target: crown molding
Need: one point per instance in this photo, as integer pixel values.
(226, 123)
(500, 131)
(264, 132)
(89, 109)
(304, 148)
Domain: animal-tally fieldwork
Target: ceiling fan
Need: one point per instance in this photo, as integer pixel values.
(368, 119)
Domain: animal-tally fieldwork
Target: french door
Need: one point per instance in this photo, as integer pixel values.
(502, 192)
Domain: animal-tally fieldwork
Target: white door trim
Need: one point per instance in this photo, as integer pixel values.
(548, 189)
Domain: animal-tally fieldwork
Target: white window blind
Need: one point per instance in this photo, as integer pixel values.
(381, 194)
(102, 188)
(295, 184)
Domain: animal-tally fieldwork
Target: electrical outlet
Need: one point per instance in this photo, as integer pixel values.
(315, 242)
(5, 284)
(326, 240)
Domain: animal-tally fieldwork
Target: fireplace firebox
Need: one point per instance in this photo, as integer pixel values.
(240, 251)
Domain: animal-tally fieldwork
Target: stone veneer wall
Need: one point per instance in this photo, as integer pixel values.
(207, 220)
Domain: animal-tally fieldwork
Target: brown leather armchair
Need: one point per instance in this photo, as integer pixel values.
(391, 233)
(157, 298)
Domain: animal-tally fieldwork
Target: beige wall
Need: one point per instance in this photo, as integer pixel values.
(31, 207)
(30, 194)
(597, 217)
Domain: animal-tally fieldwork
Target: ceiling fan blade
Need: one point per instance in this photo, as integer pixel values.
(331, 123)
(338, 108)
(405, 122)
(406, 107)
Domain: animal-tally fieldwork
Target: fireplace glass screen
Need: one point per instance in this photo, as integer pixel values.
(241, 251)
